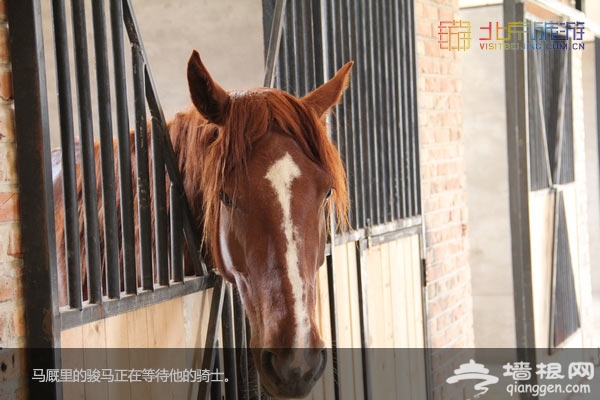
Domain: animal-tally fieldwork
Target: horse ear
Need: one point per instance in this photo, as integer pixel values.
(330, 93)
(210, 99)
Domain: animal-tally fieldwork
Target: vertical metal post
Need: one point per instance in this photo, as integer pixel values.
(71, 215)
(35, 198)
(333, 318)
(518, 153)
(210, 350)
(274, 41)
(229, 354)
(107, 158)
(125, 171)
(241, 346)
(176, 235)
(88, 163)
(143, 178)
(361, 274)
(160, 203)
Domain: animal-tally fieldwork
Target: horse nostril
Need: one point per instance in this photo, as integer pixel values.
(267, 360)
(316, 366)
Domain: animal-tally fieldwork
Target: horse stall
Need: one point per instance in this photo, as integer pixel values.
(527, 185)
(134, 292)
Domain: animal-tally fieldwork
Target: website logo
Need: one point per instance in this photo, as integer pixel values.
(472, 370)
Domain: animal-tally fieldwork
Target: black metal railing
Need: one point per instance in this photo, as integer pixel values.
(163, 217)
(550, 118)
(376, 126)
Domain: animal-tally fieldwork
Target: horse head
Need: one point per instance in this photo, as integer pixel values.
(269, 175)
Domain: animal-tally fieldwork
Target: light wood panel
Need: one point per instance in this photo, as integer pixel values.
(395, 320)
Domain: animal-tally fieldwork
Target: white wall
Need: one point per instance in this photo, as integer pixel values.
(227, 33)
(592, 162)
(487, 188)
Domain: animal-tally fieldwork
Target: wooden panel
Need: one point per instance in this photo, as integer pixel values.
(177, 323)
(94, 356)
(117, 337)
(137, 330)
(348, 335)
(396, 319)
(541, 228)
(72, 339)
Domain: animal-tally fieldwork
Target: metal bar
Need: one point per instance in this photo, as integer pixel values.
(69, 177)
(381, 109)
(414, 111)
(274, 41)
(407, 181)
(90, 196)
(210, 350)
(228, 334)
(560, 124)
(517, 143)
(542, 115)
(319, 44)
(176, 231)
(368, 129)
(333, 319)
(241, 346)
(125, 170)
(40, 287)
(141, 157)
(308, 64)
(215, 389)
(387, 107)
(361, 274)
(339, 34)
(395, 110)
(160, 204)
(360, 127)
(376, 129)
(111, 230)
(298, 48)
(402, 109)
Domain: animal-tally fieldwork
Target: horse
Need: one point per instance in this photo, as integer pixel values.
(261, 176)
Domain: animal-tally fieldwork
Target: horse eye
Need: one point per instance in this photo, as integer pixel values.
(329, 193)
(226, 199)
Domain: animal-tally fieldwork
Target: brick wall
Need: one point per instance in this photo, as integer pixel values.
(12, 325)
(450, 318)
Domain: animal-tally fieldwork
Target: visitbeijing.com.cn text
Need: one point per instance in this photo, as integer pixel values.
(541, 390)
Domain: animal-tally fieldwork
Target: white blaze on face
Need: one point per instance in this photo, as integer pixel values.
(281, 175)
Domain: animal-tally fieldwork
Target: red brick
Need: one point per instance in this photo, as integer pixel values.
(14, 243)
(432, 48)
(431, 12)
(5, 321)
(4, 49)
(3, 15)
(7, 124)
(7, 288)
(19, 322)
(6, 90)
(9, 210)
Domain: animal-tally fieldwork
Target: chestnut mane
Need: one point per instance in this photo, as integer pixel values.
(208, 154)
